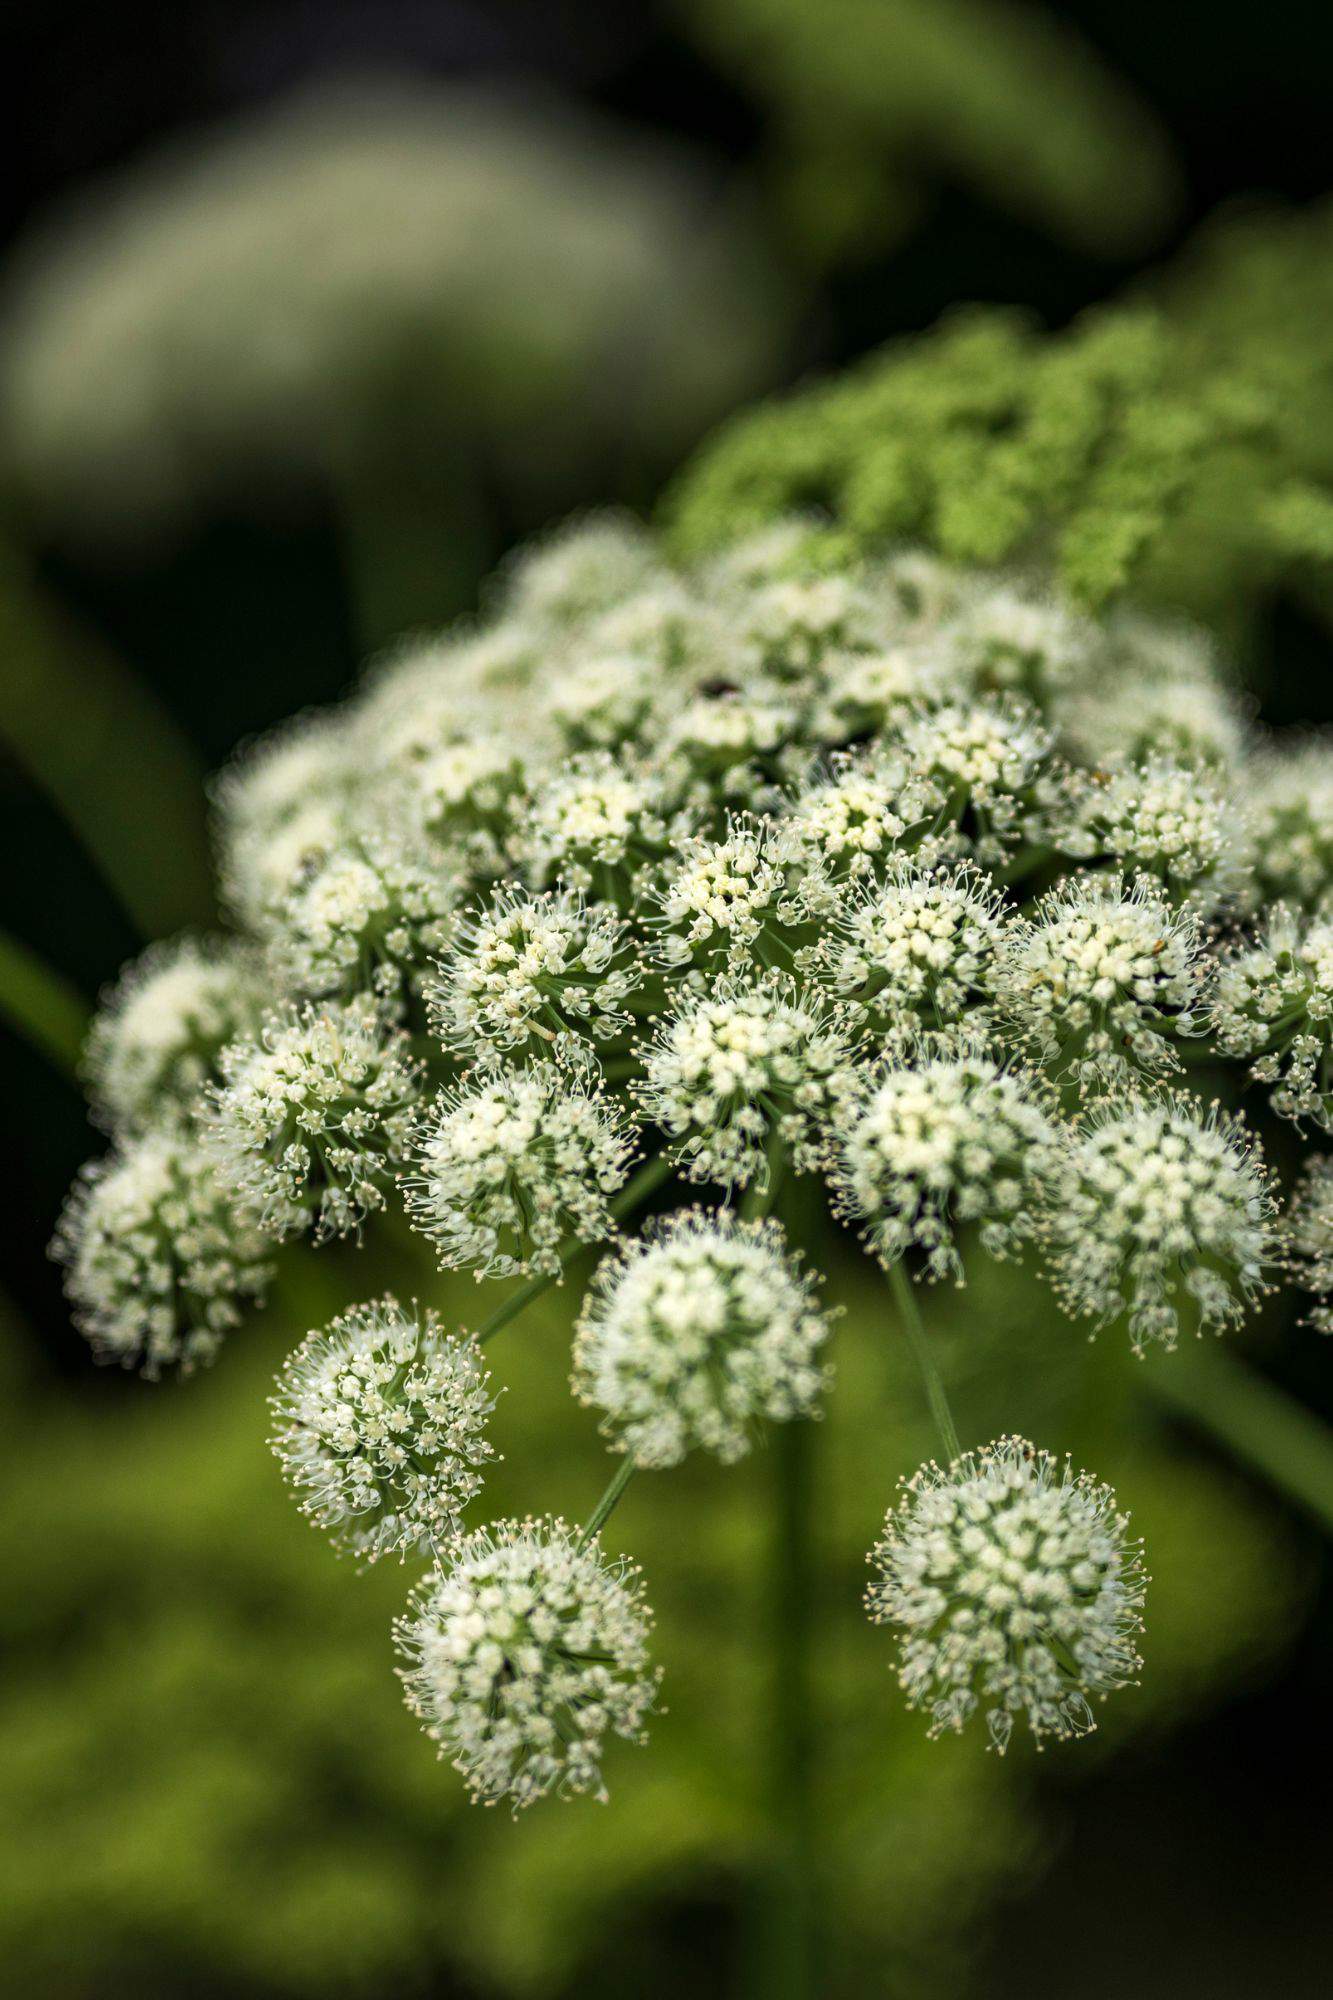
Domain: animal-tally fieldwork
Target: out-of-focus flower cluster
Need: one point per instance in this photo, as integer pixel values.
(679, 888)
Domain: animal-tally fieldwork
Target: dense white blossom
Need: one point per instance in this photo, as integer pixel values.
(1272, 1006)
(988, 757)
(280, 807)
(1166, 817)
(915, 951)
(743, 1068)
(1014, 1591)
(598, 826)
(1290, 803)
(943, 1144)
(725, 902)
(1004, 640)
(380, 1427)
(584, 568)
(522, 1655)
(159, 1261)
(509, 1164)
(158, 1032)
(1310, 1238)
(1164, 1219)
(694, 1334)
(851, 816)
(312, 1116)
(366, 918)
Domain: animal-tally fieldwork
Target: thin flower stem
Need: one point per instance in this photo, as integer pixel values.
(918, 1340)
(608, 1503)
(645, 1183)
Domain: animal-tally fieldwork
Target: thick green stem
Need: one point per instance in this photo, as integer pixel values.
(645, 1183)
(41, 1006)
(919, 1341)
(1258, 1423)
(608, 1503)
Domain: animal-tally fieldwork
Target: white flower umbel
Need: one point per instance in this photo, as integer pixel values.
(987, 756)
(847, 821)
(949, 1143)
(581, 570)
(158, 1032)
(280, 806)
(523, 1655)
(1101, 977)
(1014, 1591)
(380, 1428)
(463, 794)
(1290, 802)
(793, 626)
(731, 745)
(159, 1262)
(603, 701)
(1004, 640)
(507, 1166)
(696, 1333)
(1310, 1238)
(534, 974)
(1272, 1006)
(312, 1117)
(366, 919)
(740, 1069)
(595, 825)
(725, 901)
(915, 951)
(1122, 713)
(863, 694)
(1163, 817)
(1164, 1218)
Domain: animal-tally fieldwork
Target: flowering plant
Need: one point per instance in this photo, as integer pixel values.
(607, 925)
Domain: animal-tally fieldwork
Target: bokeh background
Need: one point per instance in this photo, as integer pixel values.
(307, 316)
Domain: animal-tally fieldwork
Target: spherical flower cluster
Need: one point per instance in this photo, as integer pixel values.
(1310, 1238)
(159, 1262)
(1165, 1220)
(1006, 641)
(985, 753)
(280, 807)
(1164, 817)
(509, 1164)
(380, 1426)
(727, 744)
(945, 1144)
(159, 1030)
(1290, 803)
(1272, 1006)
(598, 827)
(1127, 712)
(916, 951)
(847, 821)
(365, 919)
(1101, 976)
(523, 1655)
(312, 1117)
(1014, 1590)
(461, 794)
(724, 899)
(695, 1333)
(584, 567)
(790, 627)
(746, 1067)
(529, 974)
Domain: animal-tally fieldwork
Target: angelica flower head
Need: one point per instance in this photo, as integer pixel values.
(1014, 1591)
(523, 1655)
(850, 817)
(462, 796)
(695, 1333)
(748, 1066)
(990, 758)
(1005, 640)
(312, 1117)
(1165, 1220)
(914, 952)
(603, 701)
(596, 825)
(1272, 1005)
(723, 899)
(1100, 978)
(280, 806)
(380, 1428)
(586, 567)
(792, 626)
(731, 745)
(1290, 803)
(871, 692)
(366, 919)
(532, 974)
(947, 1143)
(1310, 1238)
(160, 1262)
(509, 1164)
(158, 1032)
(1163, 817)
(1127, 713)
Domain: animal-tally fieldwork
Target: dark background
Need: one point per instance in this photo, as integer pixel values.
(245, 622)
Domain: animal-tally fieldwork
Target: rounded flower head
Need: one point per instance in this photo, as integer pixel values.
(312, 1117)
(523, 1656)
(509, 1164)
(792, 626)
(1003, 641)
(1163, 817)
(596, 826)
(158, 1033)
(1014, 1590)
(749, 1065)
(462, 795)
(1291, 813)
(281, 807)
(603, 701)
(847, 821)
(716, 905)
(915, 951)
(1101, 976)
(364, 920)
(581, 570)
(730, 744)
(1310, 1238)
(694, 1334)
(532, 974)
(989, 758)
(1164, 1218)
(159, 1262)
(1272, 1005)
(380, 1428)
(864, 693)
(1126, 715)
(949, 1142)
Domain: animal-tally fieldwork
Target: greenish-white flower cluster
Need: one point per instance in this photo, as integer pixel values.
(820, 891)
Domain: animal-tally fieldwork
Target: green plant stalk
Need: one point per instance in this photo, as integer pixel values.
(608, 1503)
(644, 1184)
(918, 1340)
(41, 1006)
(1257, 1422)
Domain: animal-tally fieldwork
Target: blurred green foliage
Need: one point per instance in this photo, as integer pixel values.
(1182, 444)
